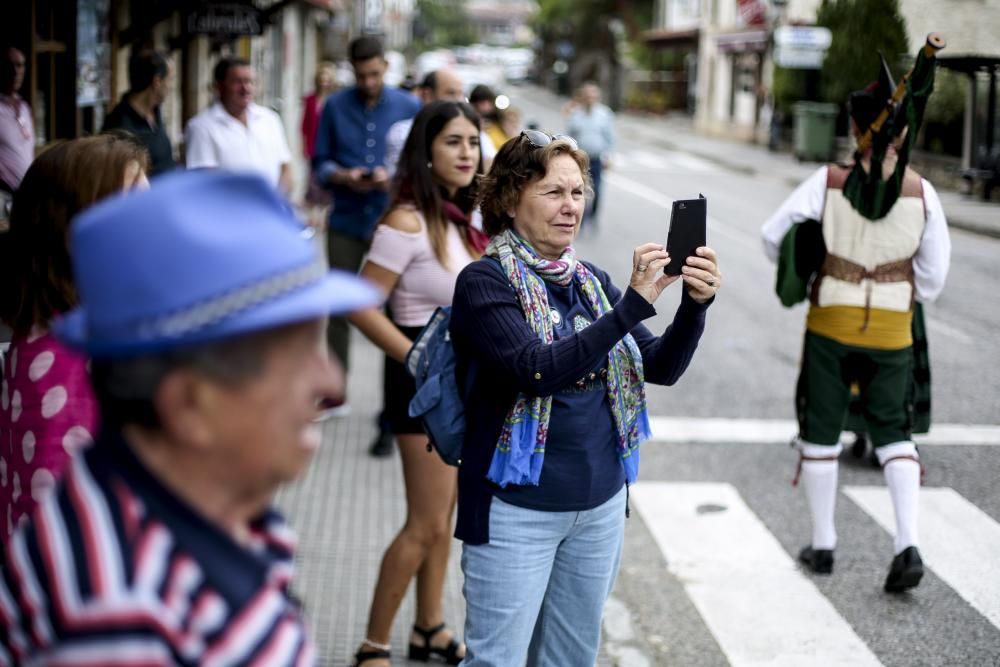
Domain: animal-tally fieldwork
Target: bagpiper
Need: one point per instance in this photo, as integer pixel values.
(865, 242)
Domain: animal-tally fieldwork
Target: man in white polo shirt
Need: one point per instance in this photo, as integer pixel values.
(237, 134)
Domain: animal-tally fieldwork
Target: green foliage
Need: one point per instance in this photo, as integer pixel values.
(442, 23)
(947, 103)
(788, 87)
(861, 29)
(585, 21)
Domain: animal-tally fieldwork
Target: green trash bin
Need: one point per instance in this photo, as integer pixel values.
(815, 131)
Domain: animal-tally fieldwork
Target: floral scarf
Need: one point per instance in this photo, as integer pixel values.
(520, 449)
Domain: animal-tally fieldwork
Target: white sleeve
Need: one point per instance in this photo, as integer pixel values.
(198, 149)
(805, 203)
(395, 139)
(933, 258)
(284, 152)
(486, 146)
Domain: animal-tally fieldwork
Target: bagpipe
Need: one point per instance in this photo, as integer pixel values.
(901, 106)
(803, 249)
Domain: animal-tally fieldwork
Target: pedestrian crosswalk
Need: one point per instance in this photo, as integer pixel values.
(762, 608)
(662, 160)
(961, 544)
(759, 605)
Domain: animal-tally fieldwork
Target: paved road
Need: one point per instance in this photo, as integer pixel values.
(709, 576)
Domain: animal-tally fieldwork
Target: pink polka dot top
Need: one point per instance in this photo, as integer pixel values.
(47, 412)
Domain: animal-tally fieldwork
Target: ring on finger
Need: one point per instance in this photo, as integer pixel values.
(710, 282)
(641, 268)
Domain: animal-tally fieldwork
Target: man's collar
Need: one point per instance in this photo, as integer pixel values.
(364, 100)
(220, 111)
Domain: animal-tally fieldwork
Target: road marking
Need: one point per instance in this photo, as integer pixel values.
(736, 431)
(666, 202)
(960, 541)
(663, 160)
(754, 599)
(940, 327)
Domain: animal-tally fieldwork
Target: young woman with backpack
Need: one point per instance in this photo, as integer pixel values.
(418, 250)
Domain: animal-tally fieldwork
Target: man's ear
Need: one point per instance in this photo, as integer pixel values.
(183, 402)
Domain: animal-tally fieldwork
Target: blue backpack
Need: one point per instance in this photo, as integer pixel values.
(438, 402)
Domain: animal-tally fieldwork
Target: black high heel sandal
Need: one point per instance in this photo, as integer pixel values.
(363, 656)
(449, 654)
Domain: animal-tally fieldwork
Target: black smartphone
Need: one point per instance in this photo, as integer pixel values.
(688, 220)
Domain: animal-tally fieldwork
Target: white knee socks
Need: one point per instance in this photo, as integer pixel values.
(902, 476)
(819, 480)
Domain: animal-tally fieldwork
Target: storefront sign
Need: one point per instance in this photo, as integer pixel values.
(752, 12)
(226, 18)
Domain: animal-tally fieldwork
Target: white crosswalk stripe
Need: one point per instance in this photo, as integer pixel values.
(960, 542)
(759, 606)
(663, 160)
(756, 601)
(688, 429)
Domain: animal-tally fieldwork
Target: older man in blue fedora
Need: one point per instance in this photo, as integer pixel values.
(209, 361)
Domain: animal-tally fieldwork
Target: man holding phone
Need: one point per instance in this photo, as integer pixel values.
(350, 160)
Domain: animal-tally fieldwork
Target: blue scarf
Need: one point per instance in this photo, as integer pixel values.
(520, 450)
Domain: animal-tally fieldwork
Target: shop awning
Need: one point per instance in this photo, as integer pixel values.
(670, 37)
(743, 41)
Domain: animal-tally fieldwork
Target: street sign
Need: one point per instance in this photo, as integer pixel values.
(803, 37)
(801, 47)
(793, 58)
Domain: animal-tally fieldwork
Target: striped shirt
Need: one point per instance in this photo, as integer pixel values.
(114, 570)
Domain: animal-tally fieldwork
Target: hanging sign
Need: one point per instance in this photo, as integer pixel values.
(225, 18)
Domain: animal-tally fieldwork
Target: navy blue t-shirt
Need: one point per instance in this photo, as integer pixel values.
(582, 467)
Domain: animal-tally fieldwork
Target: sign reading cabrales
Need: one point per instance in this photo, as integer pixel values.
(226, 18)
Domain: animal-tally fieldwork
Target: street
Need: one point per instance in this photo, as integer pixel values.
(709, 574)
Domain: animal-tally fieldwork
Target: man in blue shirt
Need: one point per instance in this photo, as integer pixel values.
(350, 160)
(592, 124)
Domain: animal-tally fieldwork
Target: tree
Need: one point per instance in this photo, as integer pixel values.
(861, 30)
(442, 23)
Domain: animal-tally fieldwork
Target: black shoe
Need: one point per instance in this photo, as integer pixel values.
(424, 652)
(819, 561)
(906, 571)
(381, 447)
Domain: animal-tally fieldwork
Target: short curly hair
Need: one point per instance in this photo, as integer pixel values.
(518, 163)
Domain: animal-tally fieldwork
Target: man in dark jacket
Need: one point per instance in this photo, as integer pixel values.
(150, 78)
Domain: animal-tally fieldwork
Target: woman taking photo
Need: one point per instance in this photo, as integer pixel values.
(47, 409)
(555, 359)
(418, 250)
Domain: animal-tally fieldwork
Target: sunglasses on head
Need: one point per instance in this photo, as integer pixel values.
(539, 139)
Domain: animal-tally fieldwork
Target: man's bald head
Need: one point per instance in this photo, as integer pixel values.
(443, 84)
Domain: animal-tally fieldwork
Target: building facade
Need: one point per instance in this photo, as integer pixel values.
(77, 55)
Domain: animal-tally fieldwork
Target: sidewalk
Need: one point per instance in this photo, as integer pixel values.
(346, 509)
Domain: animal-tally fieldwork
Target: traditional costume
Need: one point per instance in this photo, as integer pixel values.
(865, 242)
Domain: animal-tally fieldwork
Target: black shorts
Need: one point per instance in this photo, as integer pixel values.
(398, 389)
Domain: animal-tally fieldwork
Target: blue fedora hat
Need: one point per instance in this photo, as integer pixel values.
(199, 257)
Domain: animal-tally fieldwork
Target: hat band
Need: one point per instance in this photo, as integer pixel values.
(217, 309)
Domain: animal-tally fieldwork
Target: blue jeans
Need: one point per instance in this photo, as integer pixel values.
(590, 212)
(534, 594)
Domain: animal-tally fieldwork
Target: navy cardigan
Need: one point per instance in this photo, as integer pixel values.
(499, 355)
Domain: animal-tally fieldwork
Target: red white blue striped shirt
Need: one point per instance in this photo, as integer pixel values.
(114, 570)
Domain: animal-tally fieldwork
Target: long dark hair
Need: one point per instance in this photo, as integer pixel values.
(414, 183)
(35, 268)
